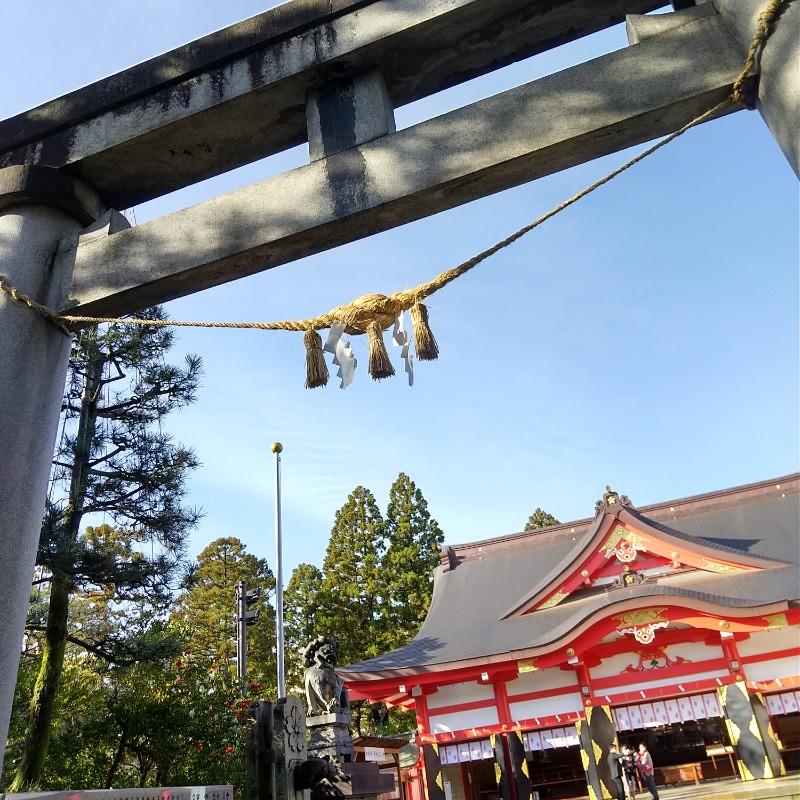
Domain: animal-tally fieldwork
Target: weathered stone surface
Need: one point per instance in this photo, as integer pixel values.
(239, 94)
(338, 718)
(332, 742)
(41, 207)
(276, 743)
(778, 98)
(641, 26)
(347, 112)
(587, 111)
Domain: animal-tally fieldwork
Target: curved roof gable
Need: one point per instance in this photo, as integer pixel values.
(752, 528)
(621, 545)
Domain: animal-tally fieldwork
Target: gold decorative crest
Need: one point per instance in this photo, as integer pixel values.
(642, 616)
(528, 665)
(555, 599)
(715, 566)
(776, 621)
(618, 533)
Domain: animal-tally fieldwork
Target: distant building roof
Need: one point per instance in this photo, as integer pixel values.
(478, 586)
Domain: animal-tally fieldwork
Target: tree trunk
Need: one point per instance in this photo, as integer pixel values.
(120, 752)
(41, 711)
(55, 638)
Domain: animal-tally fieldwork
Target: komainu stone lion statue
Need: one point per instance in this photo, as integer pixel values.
(325, 692)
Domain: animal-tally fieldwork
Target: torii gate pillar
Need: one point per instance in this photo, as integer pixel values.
(38, 207)
(778, 98)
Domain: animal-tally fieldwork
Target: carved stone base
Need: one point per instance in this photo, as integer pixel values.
(330, 740)
(334, 718)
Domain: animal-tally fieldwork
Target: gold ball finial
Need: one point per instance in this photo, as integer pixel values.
(277, 447)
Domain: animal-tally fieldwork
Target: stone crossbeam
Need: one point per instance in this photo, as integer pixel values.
(239, 95)
(633, 95)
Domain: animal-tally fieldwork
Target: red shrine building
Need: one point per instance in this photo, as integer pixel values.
(676, 625)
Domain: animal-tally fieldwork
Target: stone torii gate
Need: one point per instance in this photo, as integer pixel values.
(330, 72)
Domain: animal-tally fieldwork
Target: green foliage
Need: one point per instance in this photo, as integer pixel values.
(206, 611)
(112, 460)
(79, 720)
(383, 721)
(375, 586)
(301, 609)
(148, 702)
(352, 593)
(414, 541)
(179, 724)
(158, 723)
(540, 519)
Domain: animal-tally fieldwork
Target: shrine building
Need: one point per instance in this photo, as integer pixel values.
(676, 625)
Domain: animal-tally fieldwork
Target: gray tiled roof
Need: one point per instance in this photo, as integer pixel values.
(465, 622)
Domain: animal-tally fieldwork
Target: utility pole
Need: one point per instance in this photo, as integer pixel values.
(244, 617)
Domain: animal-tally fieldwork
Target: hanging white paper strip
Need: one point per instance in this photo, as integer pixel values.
(334, 334)
(346, 362)
(399, 335)
(400, 339)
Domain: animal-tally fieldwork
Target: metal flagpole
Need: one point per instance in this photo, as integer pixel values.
(277, 448)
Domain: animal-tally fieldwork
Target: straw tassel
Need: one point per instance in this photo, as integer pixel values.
(379, 364)
(424, 341)
(316, 368)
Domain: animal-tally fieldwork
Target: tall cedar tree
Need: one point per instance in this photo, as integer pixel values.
(414, 539)
(352, 591)
(206, 611)
(540, 519)
(301, 611)
(113, 460)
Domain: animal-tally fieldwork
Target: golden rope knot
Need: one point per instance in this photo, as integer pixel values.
(367, 310)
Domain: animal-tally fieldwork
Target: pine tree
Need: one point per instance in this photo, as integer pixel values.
(113, 460)
(414, 540)
(540, 519)
(206, 612)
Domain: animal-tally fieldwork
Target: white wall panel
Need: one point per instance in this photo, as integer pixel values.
(541, 681)
(547, 706)
(769, 641)
(769, 670)
(463, 720)
(637, 684)
(458, 693)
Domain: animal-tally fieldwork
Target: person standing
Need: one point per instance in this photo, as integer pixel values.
(645, 763)
(630, 772)
(615, 767)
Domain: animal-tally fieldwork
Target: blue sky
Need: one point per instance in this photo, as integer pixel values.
(645, 338)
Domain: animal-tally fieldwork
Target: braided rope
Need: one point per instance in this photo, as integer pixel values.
(31, 303)
(359, 314)
(764, 27)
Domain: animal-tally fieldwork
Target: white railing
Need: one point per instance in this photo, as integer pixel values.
(160, 793)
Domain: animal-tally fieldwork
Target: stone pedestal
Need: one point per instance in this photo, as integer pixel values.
(329, 737)
(276, 739)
